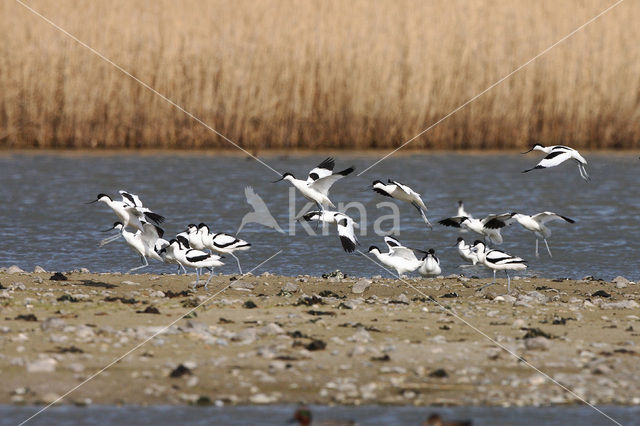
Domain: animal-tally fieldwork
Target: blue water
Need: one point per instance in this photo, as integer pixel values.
(281, 414)
(45, 221)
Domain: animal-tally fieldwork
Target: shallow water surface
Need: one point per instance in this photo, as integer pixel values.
(45, 221)
(281, 414)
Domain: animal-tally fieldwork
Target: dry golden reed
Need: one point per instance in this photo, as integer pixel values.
(294, 74)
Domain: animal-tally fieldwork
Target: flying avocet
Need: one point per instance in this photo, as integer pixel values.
(400, 258)
(346, 226)
(320, 179)
(498, 260)
(556, 155)
(536, 224)
(130, 211)
(395, 189)
(489, 227)
(222, 243)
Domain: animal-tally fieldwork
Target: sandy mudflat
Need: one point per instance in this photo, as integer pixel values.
(388, 345)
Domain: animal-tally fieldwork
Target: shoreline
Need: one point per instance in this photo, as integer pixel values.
(314, 340)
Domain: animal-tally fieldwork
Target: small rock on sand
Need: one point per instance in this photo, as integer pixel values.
(129, 283)
(45, 365)
(38, 269)
(537, 343)
(620, 282)
(14, 269)
(290, 288)
(242, 285)
(623, 304)
(360, 286)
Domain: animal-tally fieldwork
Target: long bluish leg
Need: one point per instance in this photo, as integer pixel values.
(546, 244)
(109, 240)
(508, 282)
(537, 255)
(492, 282)
(238, 261)
(146, 263)
(197, 278)
(206, 285)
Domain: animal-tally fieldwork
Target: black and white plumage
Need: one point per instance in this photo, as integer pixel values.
(536, 224)
(556, 155)
(167, 257)
(498, 260)
(320, 179)
(345, 225)
(489, 227)
(142, 242)
(192, 258)
(399, 257)
(130, 211)
(194, 236)
(462, 212)
(465, 252)
(430, 263)
(222, 243)
(399, 191)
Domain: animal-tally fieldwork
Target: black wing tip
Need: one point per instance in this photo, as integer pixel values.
(495, 224)
(347, 171)
(159, 230)
(381, 192)
(568, 219)
(155, 217)
(449, 222)
(348, 245)
(328, 163)
(533, 168)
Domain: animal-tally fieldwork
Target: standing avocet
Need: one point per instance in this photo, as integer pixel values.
(167, 257)
(346, 226)
(430, 264)
(498, 260)
(320, 179)
(536, 224)
(193, 258)
(400, 258)
(465, 252)
(489, 227)
(222, 243)
(556, 155)
(395, 189)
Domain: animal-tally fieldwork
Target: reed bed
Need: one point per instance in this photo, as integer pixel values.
(292, 74)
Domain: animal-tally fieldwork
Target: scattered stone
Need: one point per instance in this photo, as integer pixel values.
(449, 295)
(125, 300)
(58, 276)
(37, 280)
(290, 288)
(623, 304)
(361, 286)
(535, 332)
(67, 298)
(329, 293)
(70, 349)
(17, 286)
(271, 329)
(39, 270)
(440, 373)
(44, 365)
(242, 285)
(27, 317)
(401, 299)
(337, 274)
(149, 310)
(129, 283)
(620, 282)
(157, 293)
(261, 398)
(249, 304)
(321, 313)
(383, 358)
(600, 293)
(180, 371)
(171, 294)
(309, 301)
(537, 343)
(14, 269)
(316, 345)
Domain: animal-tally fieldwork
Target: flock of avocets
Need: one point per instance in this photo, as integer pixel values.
(187, 249)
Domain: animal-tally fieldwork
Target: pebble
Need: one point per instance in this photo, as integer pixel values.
(38, 270)
(537, 343)
(620, 282)
(14, 269)
(37, 280)
(261, 398)
(53, 324)
(623, 304)
(271, 329)
(45, 365)
(361, 286)
(242, 285)
(402, 298)
(290, 288)
(126, 282)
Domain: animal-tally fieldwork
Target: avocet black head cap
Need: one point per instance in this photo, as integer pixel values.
(372, 248)
(284, 176)
(476, 242)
